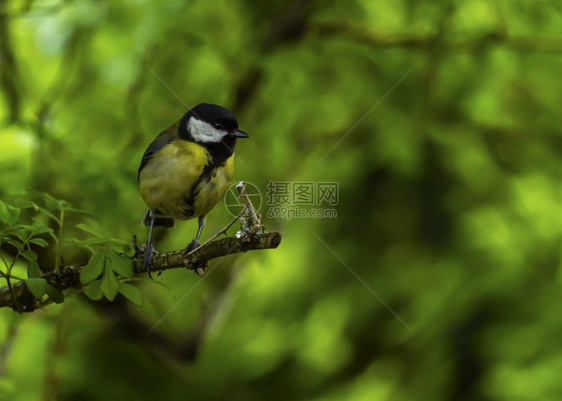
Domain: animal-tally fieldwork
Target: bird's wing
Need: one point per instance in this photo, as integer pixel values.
(165, 137)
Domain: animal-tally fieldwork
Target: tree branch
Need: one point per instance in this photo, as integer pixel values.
(526, 43)
(249, 238)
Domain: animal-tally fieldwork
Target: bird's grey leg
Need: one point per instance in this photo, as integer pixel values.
(149, 250)
(195, 243)
(201, 225)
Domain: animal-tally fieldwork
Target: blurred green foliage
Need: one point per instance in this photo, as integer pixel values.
(440, 122)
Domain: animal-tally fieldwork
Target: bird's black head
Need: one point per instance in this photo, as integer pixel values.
(218, 117)
(213, 127)
(209, 123)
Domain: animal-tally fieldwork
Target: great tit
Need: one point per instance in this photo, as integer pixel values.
(187, 169)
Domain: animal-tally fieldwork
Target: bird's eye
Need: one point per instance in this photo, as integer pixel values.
(217, 125)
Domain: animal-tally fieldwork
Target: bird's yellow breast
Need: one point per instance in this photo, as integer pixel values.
(179, 182)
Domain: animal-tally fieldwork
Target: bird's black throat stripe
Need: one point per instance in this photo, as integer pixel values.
(222, 150)
(209, 171)
(219, 153)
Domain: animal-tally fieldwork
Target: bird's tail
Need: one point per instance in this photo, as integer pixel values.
(158, 220)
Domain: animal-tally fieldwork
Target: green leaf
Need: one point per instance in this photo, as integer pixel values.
(116, 241)
(9, 214)
(120, 265)
(79, 211)
(84, 227)
(39, 242)
(38, 228)
(33, 270)
(79, 243)
(109, 283)
(47, 213)
(16, 244)
(54, 237)
(26, 204)
(131, 292)
(86, 242)
(37, 286)
(21, 232)
(94, 267)
(93, 290)
(51, 202)
(129, 250)
(55, 294)
(29, 255)
(4, 213)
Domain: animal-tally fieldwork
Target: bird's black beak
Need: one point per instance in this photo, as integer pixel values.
(238, 134)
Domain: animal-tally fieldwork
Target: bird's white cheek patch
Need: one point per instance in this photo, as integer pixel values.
(204, 132)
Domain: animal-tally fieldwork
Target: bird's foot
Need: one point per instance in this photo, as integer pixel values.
(148, 257)
(192, 245)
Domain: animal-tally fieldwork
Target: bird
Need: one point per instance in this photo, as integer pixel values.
(187, 169)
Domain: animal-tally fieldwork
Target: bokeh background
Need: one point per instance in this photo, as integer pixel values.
(440, 277)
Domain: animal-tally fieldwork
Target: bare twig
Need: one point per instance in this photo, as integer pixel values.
(251, 220)
(222, 231)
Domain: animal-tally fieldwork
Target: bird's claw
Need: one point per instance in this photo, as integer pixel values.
(192, 245)
(148, 258)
